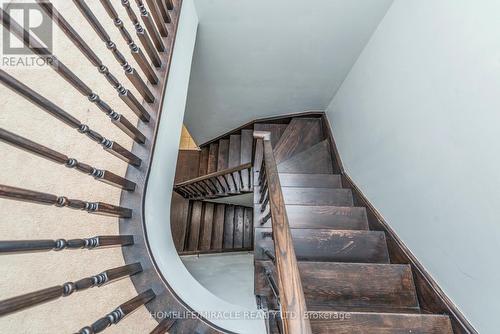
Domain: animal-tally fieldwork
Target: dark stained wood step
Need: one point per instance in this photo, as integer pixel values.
(317, 196)
(275, 129)
(203, 167)
(195, 218)
(379, 323)
(310, 180)
(301, 134)
(234, 156)
(223, 154)
(329, 245)
(331, 217)
(206, 226)
(248, 228)
(238, 227)
(218, 226)
(315, 160)
(246, 146)
(332, 286)
(213, 153)
(228, 227)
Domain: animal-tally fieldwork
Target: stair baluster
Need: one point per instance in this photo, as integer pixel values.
(163, 11)
(144, 36)
(18, 303)
(130, 72)
(119, 313)
(125, 95)
(35, 98)
(150, 26)
(36, 47)
(99, 208)
(54, 156)
(19, 246)
(135, 50)
(154, 9)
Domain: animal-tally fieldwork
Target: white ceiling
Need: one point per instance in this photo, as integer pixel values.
(261, 58)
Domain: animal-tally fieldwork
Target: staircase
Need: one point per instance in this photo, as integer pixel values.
(217, 227)
(345, 268)
(224, 168)
(317, 246)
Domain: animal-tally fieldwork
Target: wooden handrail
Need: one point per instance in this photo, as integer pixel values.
(292, 300)
(215, 174)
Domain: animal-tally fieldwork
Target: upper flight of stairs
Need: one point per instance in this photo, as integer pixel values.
(344, 266)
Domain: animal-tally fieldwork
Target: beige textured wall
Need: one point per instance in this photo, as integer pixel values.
(28, 272)
(187, 142)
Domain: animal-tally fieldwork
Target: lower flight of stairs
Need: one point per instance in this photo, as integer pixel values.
(217, 227)
(346, 271)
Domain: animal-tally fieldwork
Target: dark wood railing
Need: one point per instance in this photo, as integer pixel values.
(289, 285)
(149, 80)
(226, 182)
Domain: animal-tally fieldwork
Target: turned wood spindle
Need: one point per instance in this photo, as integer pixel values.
(125, 95)
(18, 303)
(99, 208)
(154, 9)
(46, 105)
(135, 50)
(54, 156)
(119, 313)
(130, 72)
(143, 36)
(36, 47)
(22, 246)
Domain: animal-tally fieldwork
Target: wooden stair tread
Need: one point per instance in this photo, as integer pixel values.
(203, 168)
(310, 180)
(218, 226)
(329, 245)
(206, 227)
(317, 196)
(379, 323)
(246, 146)
(248, 229)
(315, 160)
(213, 153)
(238, 227)
(301, 134)
(333, 217)
(330, 286)
(223, 154)
(195, 217)
(234, 156)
